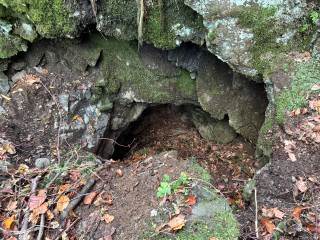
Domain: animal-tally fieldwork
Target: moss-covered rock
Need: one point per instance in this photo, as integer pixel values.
(222, 93)
(124, 72)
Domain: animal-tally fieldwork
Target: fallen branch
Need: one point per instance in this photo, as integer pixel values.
(27, 214)
(66, 230)
(256, 219)
(74, 202)
(40, 234)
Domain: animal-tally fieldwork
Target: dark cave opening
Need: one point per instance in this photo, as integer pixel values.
(153, 124)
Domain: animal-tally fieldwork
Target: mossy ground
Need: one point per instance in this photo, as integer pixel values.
(306, 75)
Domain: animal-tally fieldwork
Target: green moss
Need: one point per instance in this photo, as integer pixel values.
(262, 21)
(10, 45)
(306, 75)
(156, 28)
(186, 84)
(227, 226)
(51, 17)
(198, 171)
(120, 19)
(267, 125)
(124, 70)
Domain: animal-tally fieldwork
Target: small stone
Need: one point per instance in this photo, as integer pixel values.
(64, 101)
(18, 65)
(2, 111)
(42, 163)
(4, 85)
(4, 165)
(15, 78)
(153, 213)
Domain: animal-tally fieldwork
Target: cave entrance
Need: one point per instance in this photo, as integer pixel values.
(155, 130)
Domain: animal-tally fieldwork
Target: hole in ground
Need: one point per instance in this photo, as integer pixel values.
(166, 127)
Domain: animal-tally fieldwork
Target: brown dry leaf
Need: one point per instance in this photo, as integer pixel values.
(8, 221)
(54, 224)
(296, 212)
(31, 79)
(49, 215)
(269, 225)
(89, 199)
(297, 112)
(292, 157)
(63, 202)
(191, 200)
(12, 238)
(149, 165)
(158, 229)
(108, 218)
(36, 201)
(12, 206)
(119, 172)
(72, 213)
(99, 201)
(304, 111)
(43, 208)
(302, 185)
(176, 209)
(176, 223)
(64, 187)
(45, 71)
(278, 213)
(267, 212)
(312, 229)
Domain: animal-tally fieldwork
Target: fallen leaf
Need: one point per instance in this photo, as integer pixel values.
(269, 225)
(45, 71)
(12, 206)
(36, 201)
(54, 224)
(12, 238)
(8, 221)
(31, 79)
(315, 87)
(43, 208)
(292, 157)
(158, 229)
(108, 218)
(89, 198)
(278, 213)
(74, 175)
(99, 201)
(267, 212)
(63, 202)
(302, 185)
(191, 200)
(296, 212)
(119, 172)
(176, 223)
(72, 213)
(304, 111)
(297, 112)
(49, 215)
(149, 165)
(312, 228)
(5, 97)
(64, 187)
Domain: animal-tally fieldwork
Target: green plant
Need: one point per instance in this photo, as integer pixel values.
(314, 16)
(167, 187)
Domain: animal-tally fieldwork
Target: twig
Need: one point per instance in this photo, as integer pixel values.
(40, 234)
(256, 219)
(66, 230)
(74, 202)
(53, 179)
(316, 212)
(27, 214)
